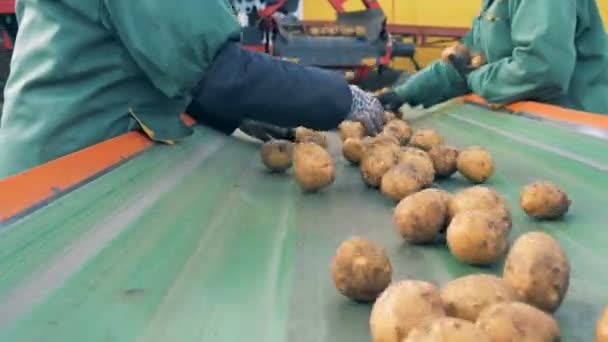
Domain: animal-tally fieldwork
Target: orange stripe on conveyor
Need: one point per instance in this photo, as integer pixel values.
(551, 112)
(34, 187)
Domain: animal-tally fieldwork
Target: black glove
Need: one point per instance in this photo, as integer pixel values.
(461, 64)
(391, 101)
(266, 132)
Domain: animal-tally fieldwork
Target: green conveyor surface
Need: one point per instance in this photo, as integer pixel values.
(197, 242)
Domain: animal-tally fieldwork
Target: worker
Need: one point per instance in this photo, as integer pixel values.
(84, 71)
(538, 50)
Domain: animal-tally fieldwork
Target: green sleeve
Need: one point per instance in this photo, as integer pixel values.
(543, 60)
(434, 84)
(173, 42)
(467, 41)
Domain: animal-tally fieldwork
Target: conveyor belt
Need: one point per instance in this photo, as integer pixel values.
(196, 242)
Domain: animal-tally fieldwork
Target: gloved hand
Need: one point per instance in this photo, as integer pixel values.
(459, 50)
(461, 65)
(391, 101)
(366, 109)
(266, 132)
(462, 59)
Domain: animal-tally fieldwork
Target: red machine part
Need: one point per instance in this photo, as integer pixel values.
(270, 10)
(7, 6)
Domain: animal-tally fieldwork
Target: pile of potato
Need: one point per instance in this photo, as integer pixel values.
(477, 307)
(404, 164)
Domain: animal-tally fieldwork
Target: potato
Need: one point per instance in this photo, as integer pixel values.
(538, 270)
(361, 270)
(346, 30)
(426, 139)
(332, 30)
(377, 161)
(382, 139)
(601, 329)
(314, 31)
(518, 322)
(277, 155)
(408, 151)
(477, 238)
(400, 130)
(313, 166)
(475, 164)
(351, 129)
(401, 307)
(467, 296)
(444, 160)
(353, 150)
(447, 329)
(544, 200)
(400, 181)
(360, 31)
(419, 218)
(420, 162)
(459, 50)
(481, 198)
(305, 135)
(389, 116)
(446, 197)
(477, 60)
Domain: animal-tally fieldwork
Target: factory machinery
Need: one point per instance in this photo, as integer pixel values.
(357, 43)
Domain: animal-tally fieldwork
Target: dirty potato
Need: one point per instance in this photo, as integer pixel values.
(477, 238)
(313, 166)
(459, 50)
(467, 296)
(514, 321)
(400, 130)
(376, 161)
(544, 200)
(277, 155)
(601, 328)
(475, 164)
(389, 116)
(426, 139)
(306, 135)
(419, 218)
(382, 139)
(361, 270)
(353, 150)
(481, 198)
(401, 307)
(538, 270)
(400, 181)
(444, 160)
(351, 129)
(420, 162)
(447, 329)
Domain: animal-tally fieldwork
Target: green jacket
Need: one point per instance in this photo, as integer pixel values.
(540, 50)
(84, 71)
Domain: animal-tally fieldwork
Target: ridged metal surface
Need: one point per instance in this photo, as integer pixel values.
(197, 242)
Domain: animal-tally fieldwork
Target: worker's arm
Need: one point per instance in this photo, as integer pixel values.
(181, 44)
(434, 84)
(242, 84)
(543, 59)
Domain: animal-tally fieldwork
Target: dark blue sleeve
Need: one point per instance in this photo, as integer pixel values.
(242, 84)
(217, 121)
